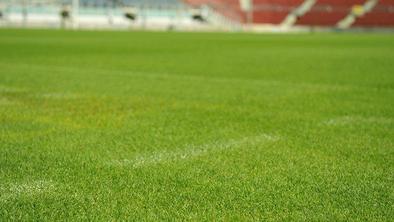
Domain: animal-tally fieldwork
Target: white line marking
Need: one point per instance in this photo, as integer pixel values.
(9, 89)
(350, 120)
(190, 151)
(25, 189)
(59, 96)
(6, 102)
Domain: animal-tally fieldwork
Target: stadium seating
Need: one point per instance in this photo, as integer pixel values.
(265, 11)
(228, 8)
(286, 13)
(382, 15)
(326, 13)
(273, 11)
(99, 3)
(156, 14)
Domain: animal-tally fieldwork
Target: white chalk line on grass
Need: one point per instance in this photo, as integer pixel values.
(169, 76)
(59, 96)
(53, 95)
(355, 120)
(27, 189)
(190, 152)
(10, 89)
(6, 102)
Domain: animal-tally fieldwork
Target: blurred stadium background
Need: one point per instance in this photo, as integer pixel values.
(257, 15)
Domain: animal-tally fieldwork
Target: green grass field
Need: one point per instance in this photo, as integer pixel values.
(196, 126)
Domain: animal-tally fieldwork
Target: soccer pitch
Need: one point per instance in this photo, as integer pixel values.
(196, 126)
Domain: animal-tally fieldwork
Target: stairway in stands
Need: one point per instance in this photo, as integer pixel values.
(328, 12)
(381, 15)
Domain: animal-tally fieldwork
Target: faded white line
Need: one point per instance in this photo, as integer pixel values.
(28, 189)
(351, 120)
(10, 89)
(6, 102)
(58, 96)
(190, 151)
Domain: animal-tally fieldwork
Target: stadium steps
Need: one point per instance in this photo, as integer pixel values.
(291, 19)
(381, 15)
(357, 11)
(328, 12)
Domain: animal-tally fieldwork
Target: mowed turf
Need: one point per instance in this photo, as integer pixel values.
(196, 126)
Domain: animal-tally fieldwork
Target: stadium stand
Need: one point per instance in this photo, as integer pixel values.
(98, 13)
(284, 14)
(382, 15)
(273, 11)
(228, 8)
(264, 11)
(328, 12)
(321, 13)
(137, 3)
